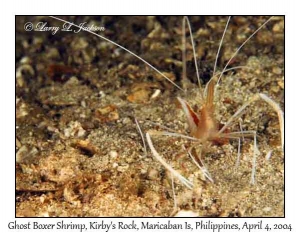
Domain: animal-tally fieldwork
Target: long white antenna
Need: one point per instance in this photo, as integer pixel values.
(239, 48)
(142, 135)
(220, 45)
(120, 46)
(186, 19)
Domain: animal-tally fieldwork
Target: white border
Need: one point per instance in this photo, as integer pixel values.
(289, 8)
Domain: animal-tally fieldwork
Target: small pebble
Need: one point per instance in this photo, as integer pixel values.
(83, 104)
(113, 154)
(278, 27)
(123, 168)
(152, 174)
(139, 96)
(186, 213)
(267, 209)
(276, 70)
(108, 113)
(127, 121)
(86, 147)
(155, 94)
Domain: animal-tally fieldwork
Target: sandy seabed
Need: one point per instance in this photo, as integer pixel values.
(79, 152)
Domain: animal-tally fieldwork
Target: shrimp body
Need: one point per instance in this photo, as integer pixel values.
(206, 128)
(202, 124)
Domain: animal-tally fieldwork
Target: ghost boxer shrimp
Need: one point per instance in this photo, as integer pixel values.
(203, 126)
(202, 123)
